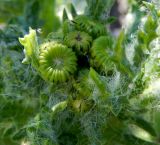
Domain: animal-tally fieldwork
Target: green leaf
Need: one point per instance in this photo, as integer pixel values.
(148, 5)
(59, 107)
(67, 27)
(98, 82)
(119, 56)
(141, 133)
(146, 35)
(156, 121)
(145, 125)
(119, 49)
(73, 11)
(65, 16)
(150, 24)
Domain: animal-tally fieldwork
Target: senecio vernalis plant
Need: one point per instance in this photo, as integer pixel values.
(104, 90)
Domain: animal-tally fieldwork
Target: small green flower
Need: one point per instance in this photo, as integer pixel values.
(90, 26)
(80, 41)
(57, 62)
(101, 51)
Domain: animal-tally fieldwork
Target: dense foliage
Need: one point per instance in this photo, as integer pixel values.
(77, 83)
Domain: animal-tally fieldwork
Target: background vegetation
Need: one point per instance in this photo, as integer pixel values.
(130, 116)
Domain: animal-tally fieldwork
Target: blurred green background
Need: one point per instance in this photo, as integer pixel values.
(44, 14)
